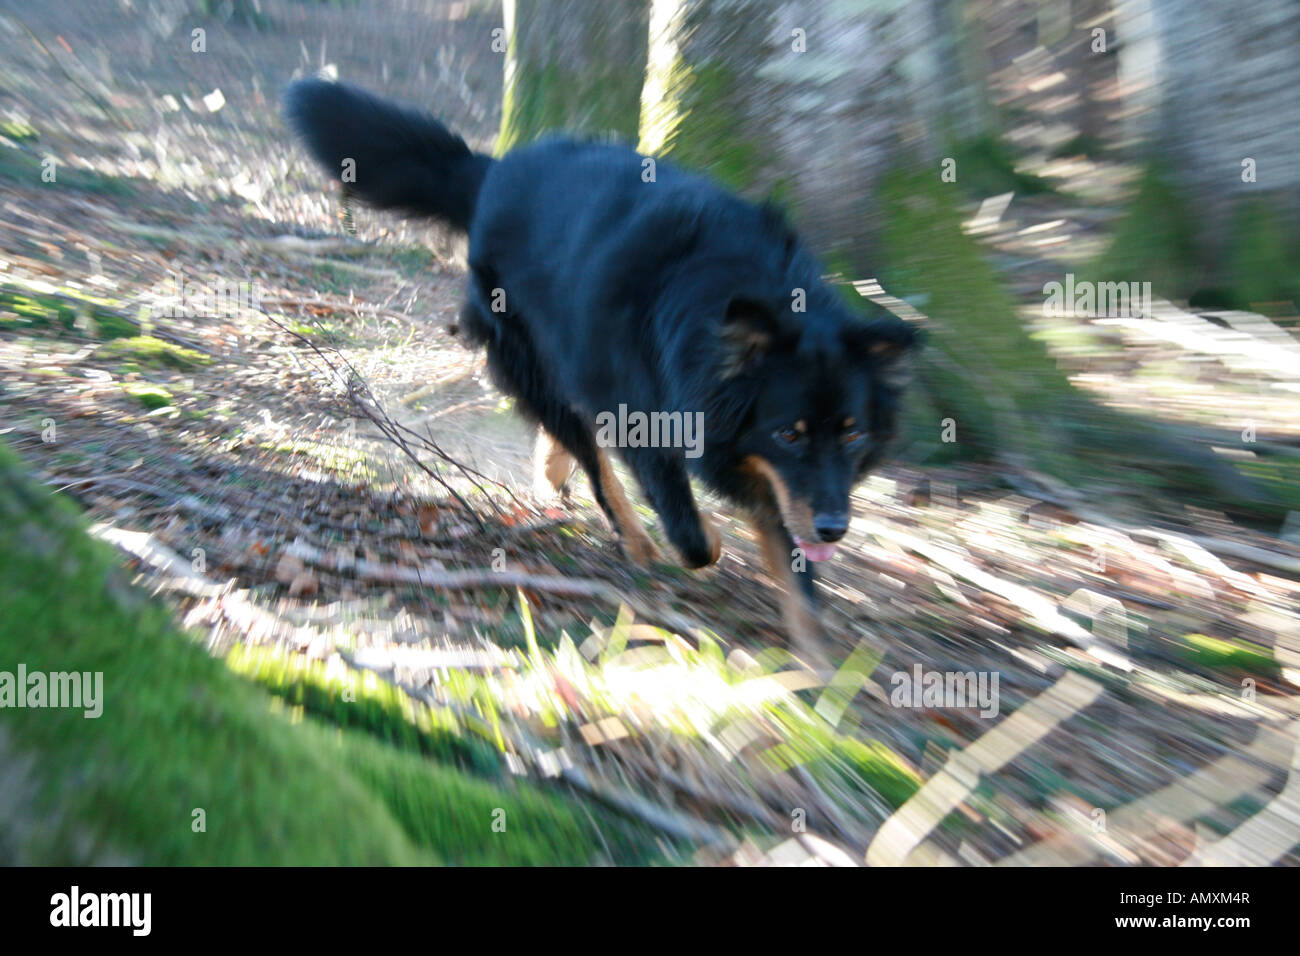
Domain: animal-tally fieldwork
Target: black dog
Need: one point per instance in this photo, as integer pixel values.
(604, 284)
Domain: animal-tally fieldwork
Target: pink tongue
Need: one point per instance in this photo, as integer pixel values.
(816, 552)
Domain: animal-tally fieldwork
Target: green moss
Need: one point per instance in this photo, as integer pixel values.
(985, 167)
(1215, 653)
(23, 308)
(150, 352)
(547, 97)
(997, 384)
(18, 131)
(26, 168)
(363, 702)
(180, 731)
(698, 127)
(110, 325)
(33, 306)
(1154, 241)
(1261, 266)
(1279, 477)
(149, 395)
(462, 817)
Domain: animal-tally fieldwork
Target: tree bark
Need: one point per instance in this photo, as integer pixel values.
(803, 104)
(575, 66)
(1090, 70)
(1214, 89)
(1231, 93)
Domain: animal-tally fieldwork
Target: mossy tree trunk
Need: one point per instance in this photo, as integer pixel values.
(1222, 86)
(575, 66)
(839, 112)
(804, 105)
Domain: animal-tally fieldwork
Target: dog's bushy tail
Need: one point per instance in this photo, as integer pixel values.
(401, 159)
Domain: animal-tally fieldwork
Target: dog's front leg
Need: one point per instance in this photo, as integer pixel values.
(666, 484)
(794, 573)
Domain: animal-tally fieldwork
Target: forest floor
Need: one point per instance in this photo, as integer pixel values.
(1147, 655)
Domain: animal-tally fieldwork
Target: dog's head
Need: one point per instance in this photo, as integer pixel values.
(825, 389)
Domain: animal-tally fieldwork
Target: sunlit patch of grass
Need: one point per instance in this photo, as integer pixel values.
(362, 701)
(701, 695)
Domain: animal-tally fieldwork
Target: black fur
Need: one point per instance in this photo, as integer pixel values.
(403, 159)
(667, 295)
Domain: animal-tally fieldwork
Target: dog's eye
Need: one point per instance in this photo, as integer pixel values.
(788, 435)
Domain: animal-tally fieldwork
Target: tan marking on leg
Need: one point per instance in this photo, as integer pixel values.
(552, 465)
(801, 622)
(632, 536)
(715, 539)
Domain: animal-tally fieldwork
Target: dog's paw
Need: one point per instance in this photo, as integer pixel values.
(703, 549)
(640, 548)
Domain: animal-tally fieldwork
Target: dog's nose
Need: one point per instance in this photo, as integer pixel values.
(830, 527)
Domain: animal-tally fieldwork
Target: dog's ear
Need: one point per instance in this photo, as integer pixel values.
(888, 345)
(750, 329)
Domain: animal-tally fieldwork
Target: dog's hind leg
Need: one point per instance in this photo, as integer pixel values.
(569, 434)
(556, 460)
(552, 466)
(566, 436)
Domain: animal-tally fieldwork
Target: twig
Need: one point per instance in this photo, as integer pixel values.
(380, 419)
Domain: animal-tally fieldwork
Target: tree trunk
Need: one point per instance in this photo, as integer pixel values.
(575, 66)
(1220, 80)
(1089, 64)
(806, 106)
